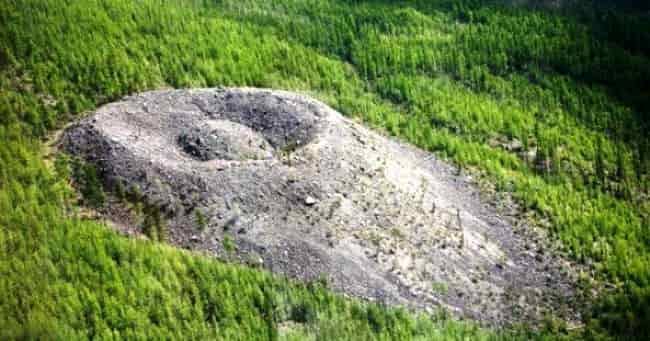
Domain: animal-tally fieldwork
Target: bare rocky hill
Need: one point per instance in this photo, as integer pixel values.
(305, 192)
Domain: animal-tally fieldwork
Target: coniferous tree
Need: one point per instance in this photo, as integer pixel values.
(599, 164)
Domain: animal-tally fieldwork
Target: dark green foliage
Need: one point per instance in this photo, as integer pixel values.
(448, 76)
(85, 177)
(150, 214)
(120, 191)
(200, 219)
(228, 243)
(154, 225)
(303, 313)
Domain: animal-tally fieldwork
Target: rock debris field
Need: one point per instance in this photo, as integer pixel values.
(303, 191)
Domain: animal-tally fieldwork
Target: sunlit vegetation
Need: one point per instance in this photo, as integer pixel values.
(552, 107)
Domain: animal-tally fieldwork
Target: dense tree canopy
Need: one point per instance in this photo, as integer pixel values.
(550, 105)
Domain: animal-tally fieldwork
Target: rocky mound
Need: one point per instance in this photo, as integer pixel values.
(310, 194)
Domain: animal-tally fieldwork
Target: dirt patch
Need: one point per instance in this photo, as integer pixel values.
(287, 181)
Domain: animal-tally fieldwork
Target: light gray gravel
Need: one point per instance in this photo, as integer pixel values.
(309, 193)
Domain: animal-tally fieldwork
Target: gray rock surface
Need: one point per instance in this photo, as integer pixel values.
(305, 192)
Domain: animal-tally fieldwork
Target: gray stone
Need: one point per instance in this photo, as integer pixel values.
(309, 201)
(218, 150)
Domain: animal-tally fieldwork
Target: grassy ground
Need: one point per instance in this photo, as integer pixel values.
(461, 78)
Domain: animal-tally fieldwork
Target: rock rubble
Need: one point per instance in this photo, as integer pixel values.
(303, 191)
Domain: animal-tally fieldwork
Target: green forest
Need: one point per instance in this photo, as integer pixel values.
(550, 105)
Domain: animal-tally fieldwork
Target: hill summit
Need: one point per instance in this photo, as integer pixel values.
(283, 181)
